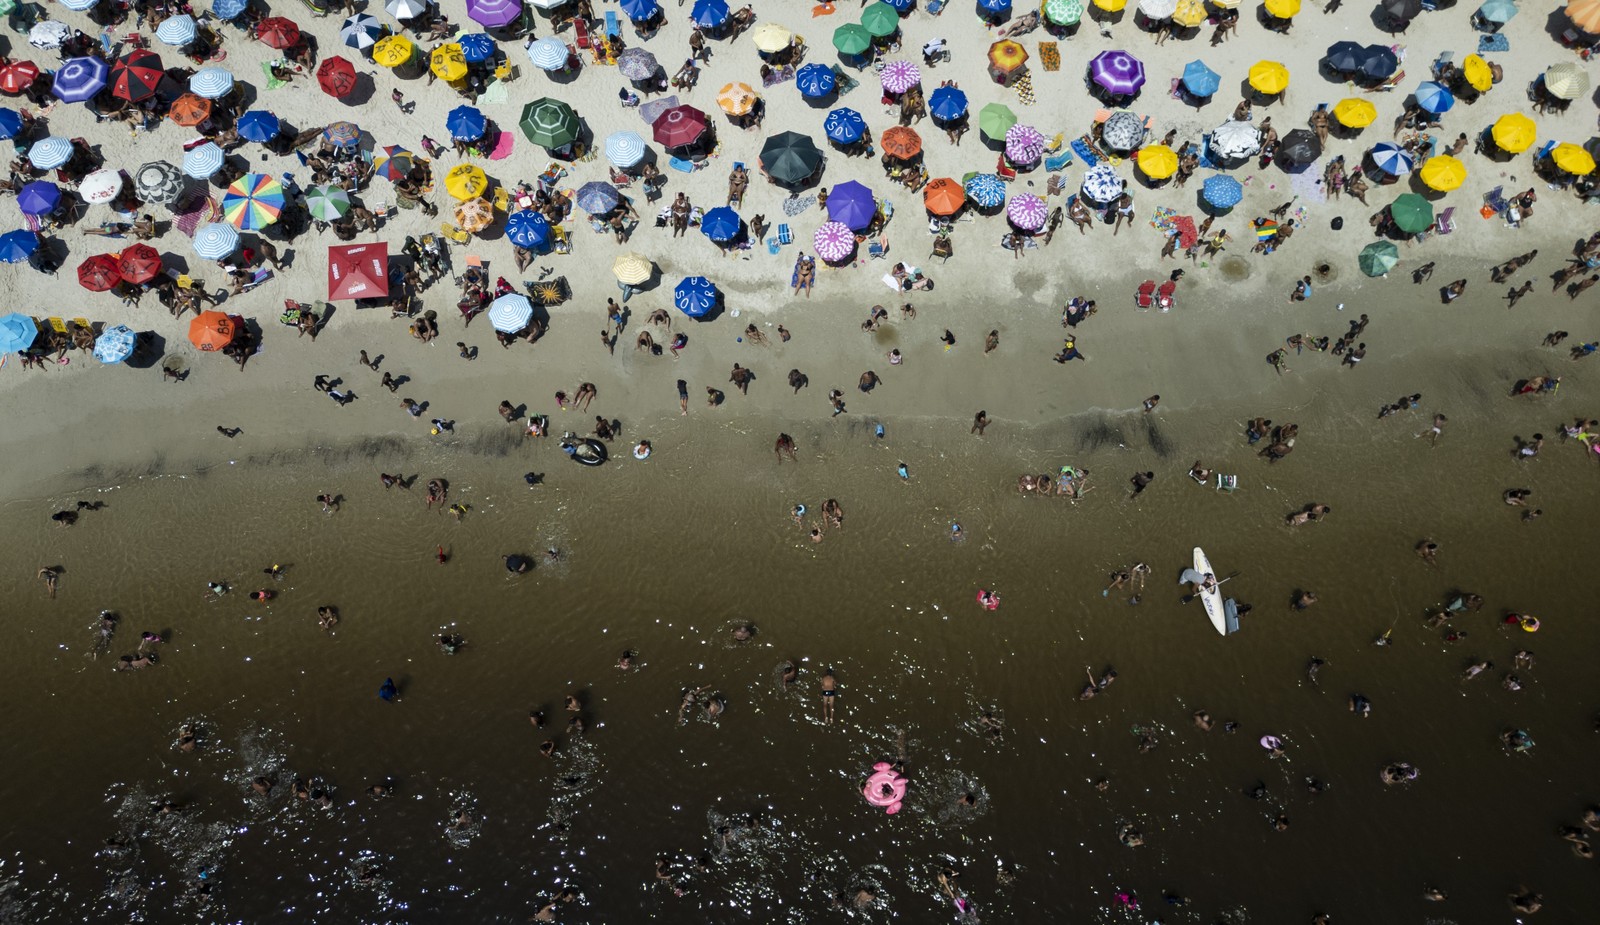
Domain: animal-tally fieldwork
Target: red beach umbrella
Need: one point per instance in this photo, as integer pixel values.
(18, 76)
(99, 273)
(136, 75)
(336, 76)
(358, 271)
(278, 32)
(679, 126)
(139, 263)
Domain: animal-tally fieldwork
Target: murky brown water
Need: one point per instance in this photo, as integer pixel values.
(665, 557)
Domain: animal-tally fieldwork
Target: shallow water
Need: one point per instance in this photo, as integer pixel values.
(760, 811)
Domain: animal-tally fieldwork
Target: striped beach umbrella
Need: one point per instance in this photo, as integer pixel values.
(213, 83)
(203, 160)
(361, 31)
(549, 53)
(227, 10)
(1434, 97)
(328, 203)
(80, 79)
(1027, 211)
(833, 241)
(393, 164)
(899, 76)
(1391, 158)
(50, 153)
(342, 134)
(177, 31)
(510, 313)
(136, 75)
(625, 149)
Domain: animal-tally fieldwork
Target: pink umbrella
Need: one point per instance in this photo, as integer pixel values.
(1026, 211)
(900, 76)
(1024, 144)
(834, 242)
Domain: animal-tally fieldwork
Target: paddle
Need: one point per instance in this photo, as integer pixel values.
(1189, 597)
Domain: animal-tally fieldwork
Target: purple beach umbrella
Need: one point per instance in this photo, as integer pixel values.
(852, 204)
(899, 76)
(833, 242)
(1026, 211)
(1117, 72)
(1024, 144)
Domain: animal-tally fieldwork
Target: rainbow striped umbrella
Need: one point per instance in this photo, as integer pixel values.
(253, 201)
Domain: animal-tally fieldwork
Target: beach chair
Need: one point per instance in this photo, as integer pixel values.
(502, 199)
(785, 235)
(613, 25)
(942, 248)
(876, 251)
(1544, 151)
(1145, 296)
(1494, 202)
(1164, 295)
(1445, 222)
(1003, 171)
(935, 7)
(455, 234)
(1227, 483)
(559, 242)
(580, 28)
(1057, 162)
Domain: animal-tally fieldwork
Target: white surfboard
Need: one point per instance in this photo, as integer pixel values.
(1211, 599)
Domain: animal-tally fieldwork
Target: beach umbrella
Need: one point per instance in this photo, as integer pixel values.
(342, 134)
(1355, 113)
(18, 245)
(695, 296)
(1434, 98)
(177, 31)
(358, 271)
(189, 110)
(80, 79)
(597, 198)
(328, 203)
(852, 204)
(943, 196)
(474, 215)
(736, 99)
(158, 181)
(844, 126)
(1378, 258)
(394, 50)
(1497, 11)
(1572, 159)
(510, 313)
(1123, 131)
(994, 120)
(1391, 158)
(947, 104)
(466, 181)
(833, 242)
(277, 32)
(336, 76)
(709, 14)
(1443, 173)
(637, 64)
(1157, 162)
(211, 331)
(1477, 74)
(640, 10)
(253, 201)
(1158, 9)
(447, 62)
(1221, 191)
(1300, 146)
(1269, 77)
(203, 160)
(99, 273)
(1102, 184)
(624, 149)
(1282, 9)
(721, 224)
(1235, 140)
(17, 332)
(1190, 13)
(1344, 57)
(406, 9)
(527, 228)
(136, 75)
(1063, 12)
(899, 76)
(815, 81)
(361, 31)
(769, 37)
(1514, 133)
(1585, 14)
(100, 187)
(1027, 211)
(50, 153)
(1380, 63)
(632, 269)
(1005, 56)
(1403, 10)
(1117, 72)
(79, 6)
(852, 39)
(1200, 80)
(1566, 81)
(229, 9)
(465, 123)
(1024, 144)
(114, 344)
(549, 53)
(993, 7)
(901, 142)
(551, 123)
(790, 158)
(10, 123)
(53, 34)
(258, 125)
(393, 164)
(477, 47)
(1412, 214)
(493, 14)
(679, 127)
(985, 189)
(880, 19)
(216, 241)
(139, 263)
(18, 76)
(213, 83)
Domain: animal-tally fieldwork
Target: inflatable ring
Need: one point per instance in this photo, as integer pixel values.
(885, 788)
(988, 600)
(1271, 742)
(642, 450)
(1530, 624)
(586, 451)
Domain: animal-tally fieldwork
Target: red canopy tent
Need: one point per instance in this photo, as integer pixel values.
(358, 271)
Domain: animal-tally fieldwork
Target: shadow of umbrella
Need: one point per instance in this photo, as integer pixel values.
(148, 350)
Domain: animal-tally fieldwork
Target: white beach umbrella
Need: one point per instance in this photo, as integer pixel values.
(1235, 139)
(101, 186)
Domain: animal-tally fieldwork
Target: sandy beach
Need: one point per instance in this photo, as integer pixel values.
(666, 556)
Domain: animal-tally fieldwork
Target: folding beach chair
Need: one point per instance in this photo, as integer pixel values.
(613, 25)
(785, 235)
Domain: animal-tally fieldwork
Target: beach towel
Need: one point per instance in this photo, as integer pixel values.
(1049, 56)
(652, 110)
(1084, 154)
(1308, 186)
(186, 217)
(1058, 161)
(679, 163)
(1024, 87)
(502, 147)
(822, 9)
(1496, 42)
(273, 83)
(794, 205)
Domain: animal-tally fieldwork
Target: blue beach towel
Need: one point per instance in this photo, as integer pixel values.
(1083, 152)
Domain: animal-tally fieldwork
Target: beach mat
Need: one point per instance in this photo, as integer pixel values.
(1050, 56)
(1024, 87)
(652, 110)
(502, 147)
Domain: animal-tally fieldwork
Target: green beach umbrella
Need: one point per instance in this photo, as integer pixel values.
(1412, 214)
(880, 19)
(852, 38)
(327, 203)
(994, 120)
(1063, 12)
(1378, 258)
(549, 122)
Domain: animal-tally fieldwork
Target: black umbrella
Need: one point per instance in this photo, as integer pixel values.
(1300, 147)
(1345, 57)
(1404, 10)
(1380, 63)
(790, 158)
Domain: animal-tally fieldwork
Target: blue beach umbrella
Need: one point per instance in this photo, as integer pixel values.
(259, 126)
(476, 47)
(549, 53)
(845, 126)
(815, 81)
(17, 246)
(80, 79)
(625, 149)
(465, 123)
(228, 9)
(10, 123)
(709, 14)
(598, 198)
(1497, 11)
(361, 31)
(694, 296)
(986, 190)
(1200, 80)
(1434, 98)
(993, 7)
(79, 6)
(17, 332)
(852, 204)
(947, 104)
(50, 153)
(510, 313)
(1391, 158)
(527, 228)
(900, 6)
(203, 160)
(114, 344)
(721, 224)
(216, 241)
(177, 31)
(38, 198)
(213, 83)
(1222, 192)
(640, 10)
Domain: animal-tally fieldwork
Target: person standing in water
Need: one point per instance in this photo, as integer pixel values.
(830, 690)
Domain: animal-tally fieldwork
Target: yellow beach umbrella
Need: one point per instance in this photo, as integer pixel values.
(736, 99)
(1225, 4)
(770, 37)
(466, 181)
(1269, 77)
(1476, 71)
(1355, 113)
(632, 269)
(1585, 14)
(1282, 9)
(1190, 13)
(1110, 6)
(448, 62)
(1443, 173)
(1514, 133)
(1158, 162)
(1572, 159)
(393, 51)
